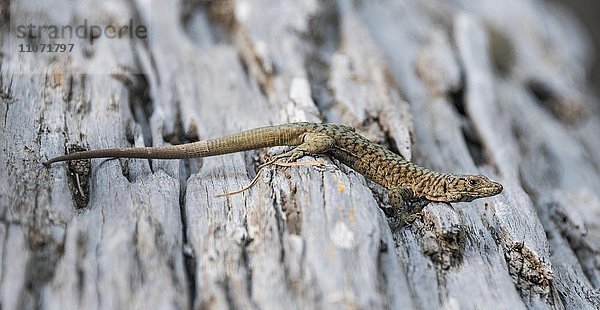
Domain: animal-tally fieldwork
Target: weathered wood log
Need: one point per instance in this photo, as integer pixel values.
(488, 87)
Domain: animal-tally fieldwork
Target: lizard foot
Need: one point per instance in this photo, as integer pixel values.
(287, 157)
(273, 161)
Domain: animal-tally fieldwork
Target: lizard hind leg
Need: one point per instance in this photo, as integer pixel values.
(312, 143)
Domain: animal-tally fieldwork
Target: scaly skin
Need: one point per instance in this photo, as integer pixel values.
(404, 180)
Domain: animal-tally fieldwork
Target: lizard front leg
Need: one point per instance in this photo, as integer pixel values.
(400, 200)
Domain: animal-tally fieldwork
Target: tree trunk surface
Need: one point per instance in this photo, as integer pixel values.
(491, 87)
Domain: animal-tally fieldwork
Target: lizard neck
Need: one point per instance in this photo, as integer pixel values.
(392, 171)
(424, 183)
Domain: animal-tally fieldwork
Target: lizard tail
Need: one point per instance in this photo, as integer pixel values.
(243, 141)
(159, 152)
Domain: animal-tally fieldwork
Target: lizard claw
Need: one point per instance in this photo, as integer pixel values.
(287, 157)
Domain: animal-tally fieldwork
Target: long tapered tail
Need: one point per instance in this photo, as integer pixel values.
(243, 141)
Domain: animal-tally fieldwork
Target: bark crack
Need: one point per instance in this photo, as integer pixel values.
(323, 36)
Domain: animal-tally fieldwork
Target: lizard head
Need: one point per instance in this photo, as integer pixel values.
(465, 188)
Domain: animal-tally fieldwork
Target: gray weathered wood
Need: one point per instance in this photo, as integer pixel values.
(488, 87)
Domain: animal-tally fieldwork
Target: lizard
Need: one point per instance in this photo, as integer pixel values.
(405, 181)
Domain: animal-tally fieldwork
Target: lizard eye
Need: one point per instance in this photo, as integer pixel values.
(472, 182)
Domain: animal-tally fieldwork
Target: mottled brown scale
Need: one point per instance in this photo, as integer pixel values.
(404, 179)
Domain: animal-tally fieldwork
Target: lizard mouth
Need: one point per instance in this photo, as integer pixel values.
(495, 189)
(492, 190)
(467, 196)
(488, 191)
